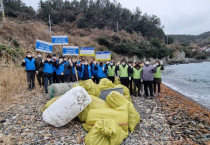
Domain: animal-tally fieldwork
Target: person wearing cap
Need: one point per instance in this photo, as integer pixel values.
(30, 66)
(124, 70)
(39, 69)
(157, 76)
(55, 61)
(48, 72)
(101, 71)
(137, 78)
(111, 71)
(85, 70)
(60, 67)
(93, 71)
(70, 67)
(130, 64)
(148, 76)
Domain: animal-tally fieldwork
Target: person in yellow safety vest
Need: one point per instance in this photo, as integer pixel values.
(130, 64)
(124, 70)
(157, 76)
(111, 71)
(137, 78)
(142, 64)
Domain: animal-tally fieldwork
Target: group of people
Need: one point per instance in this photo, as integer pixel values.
(134, 75)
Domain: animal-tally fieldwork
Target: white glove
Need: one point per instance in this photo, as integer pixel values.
(37, 72)
(118, 63)
(155, 65)
(103, 68)
(24, 61)
(107, 62)
(62, 74)
(129, 78)
(141, 80)
(161, 63)
(131, 66)
(43, 60)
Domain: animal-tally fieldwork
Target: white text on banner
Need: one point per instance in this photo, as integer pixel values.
(44, 46)
(87, 51)
(70, 50)
(60, 40)
(103, 55)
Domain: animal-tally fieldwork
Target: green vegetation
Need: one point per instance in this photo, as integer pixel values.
(17, 52)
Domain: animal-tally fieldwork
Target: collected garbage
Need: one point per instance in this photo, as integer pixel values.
(108, 122)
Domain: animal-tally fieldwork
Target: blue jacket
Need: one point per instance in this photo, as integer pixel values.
(67, 71)
(48, 67)
(94, 72)
(89, 71)
(30, 64)
(100, 72)
(60, 68)
(78, 71)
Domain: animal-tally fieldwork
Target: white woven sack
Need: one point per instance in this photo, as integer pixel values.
(66, 108)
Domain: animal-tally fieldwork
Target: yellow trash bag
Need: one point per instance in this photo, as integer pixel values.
(105, 132)
(105, 84)
(126, 91)
(75, 85)
(96, 103)
(120, 115)
(49, 103)
(115, 100)
(117, 81)
(90, 87)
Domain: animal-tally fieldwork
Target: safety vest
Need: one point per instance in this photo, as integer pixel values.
(158, 73)
(60, 69)
(123, 71)
(100, 72)
(111, 71)
(30, 64)
(137, 73)
(89, 71)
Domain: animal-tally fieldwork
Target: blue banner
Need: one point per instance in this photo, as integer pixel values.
(86, 51)
(60, 40)
(44, 46)
(70, 50)
(102, 55)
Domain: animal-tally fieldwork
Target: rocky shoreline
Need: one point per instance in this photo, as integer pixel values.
(168, 119)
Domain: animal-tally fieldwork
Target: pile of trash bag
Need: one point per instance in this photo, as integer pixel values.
(108, 122)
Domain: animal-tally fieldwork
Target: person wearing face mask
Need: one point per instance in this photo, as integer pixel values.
(47, 72)
(101, 71)
(39, 69)
(66, 64)
(78, 71)
(147, 75)
(137, 78)
(30, 66)
(55, 61)
(130, 74)
(93, 71)
(157, 76)
(124, 70)
(60, 67)
(111, 71)
(71, 75)
(85, 70)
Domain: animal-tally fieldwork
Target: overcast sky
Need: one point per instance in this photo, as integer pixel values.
(178, 16)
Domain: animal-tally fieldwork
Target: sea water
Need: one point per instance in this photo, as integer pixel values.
(191, 80)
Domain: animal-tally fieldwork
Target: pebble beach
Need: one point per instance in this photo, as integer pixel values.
(170, 118)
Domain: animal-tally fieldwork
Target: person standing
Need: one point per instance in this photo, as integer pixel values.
(78, 71)
(85, 70)
(60, 67)
(30, 66)
(48, 72)
(55, 61)
(137, 78)
(39, 69)
(71, 75)
(111, 70)
(93, 71)
(124, 70)
(147, 76)
(130, 64)
(101, 71)
(157, 76)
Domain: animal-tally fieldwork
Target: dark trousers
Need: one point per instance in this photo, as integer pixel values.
(40, 79)
(131, 85)
(47, 80)
(60, 78)
(94, 78)
(54, 77)
(31, 79)
(155, 87)
(71, 78)
(137, 85)
(157, 82)
(148, 85)
(111, 79)
(98, 80)
(124, 81)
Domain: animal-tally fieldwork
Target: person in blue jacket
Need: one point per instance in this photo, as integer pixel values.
(78, 71)
(60, 67)
(71, 75)
(55, 60)
(48, 72)
(29, 63)
(93, 71)
(85, 70)
(67, 71)
(101, 71)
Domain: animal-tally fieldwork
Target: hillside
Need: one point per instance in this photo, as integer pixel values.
(201, 40)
